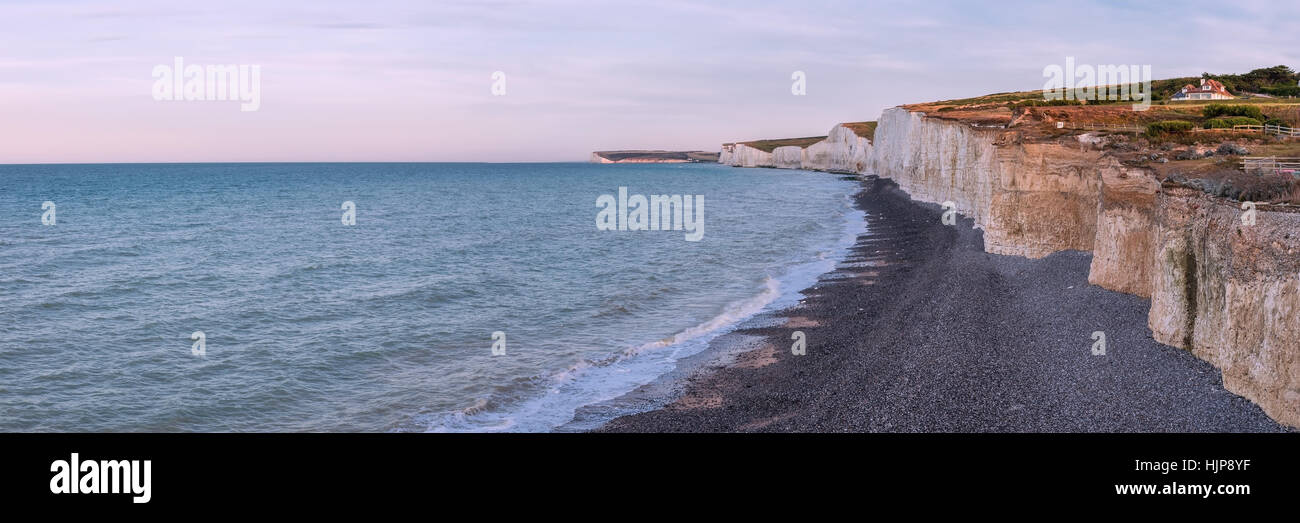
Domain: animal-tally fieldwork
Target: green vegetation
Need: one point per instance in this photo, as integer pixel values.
(1275, 81)
(997, 98)
(1227, 122)
(1156, 129)
(1278, 80)
(1289, 114)
(1284, 90)
(768, 146)
(1259, 80)
(863, 129)
(1248, 111)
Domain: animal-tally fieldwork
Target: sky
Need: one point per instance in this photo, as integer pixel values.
(413, 81)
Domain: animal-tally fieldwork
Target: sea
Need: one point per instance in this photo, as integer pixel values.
(379, 297)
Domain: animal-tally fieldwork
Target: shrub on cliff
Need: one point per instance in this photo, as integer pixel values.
(1228, 182)
(1272, 188)
(1157, 129)
(1227, 122)
(1284, 90)
(1233, 149)
(1248, 111)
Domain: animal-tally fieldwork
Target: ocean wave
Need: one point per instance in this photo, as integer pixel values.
(425, 293)
(506, 410)
(731, 314)
(311, 267)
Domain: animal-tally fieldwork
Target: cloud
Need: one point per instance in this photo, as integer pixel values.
(348, 25)
(398, 75)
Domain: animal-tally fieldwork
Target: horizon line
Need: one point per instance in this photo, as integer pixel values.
(276, 162)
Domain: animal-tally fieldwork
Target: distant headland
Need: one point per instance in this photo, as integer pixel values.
(646, 156)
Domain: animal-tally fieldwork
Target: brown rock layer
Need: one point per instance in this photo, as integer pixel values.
(1225, 290)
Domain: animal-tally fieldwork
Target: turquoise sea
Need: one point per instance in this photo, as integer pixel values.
(310, 324)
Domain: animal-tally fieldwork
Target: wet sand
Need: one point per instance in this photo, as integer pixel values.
(920, 330)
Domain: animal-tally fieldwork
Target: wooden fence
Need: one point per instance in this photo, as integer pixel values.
(1117, 128)
(1279, 130)
(1271, 165)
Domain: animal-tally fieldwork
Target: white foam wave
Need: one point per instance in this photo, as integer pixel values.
(587, 382)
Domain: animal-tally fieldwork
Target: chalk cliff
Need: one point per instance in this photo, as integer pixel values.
(843, 150)
(787, 157)
(1226, 291)
(741, 155)
(1031, 199)
(1124, 249)
(653, 156)
(1229, 291)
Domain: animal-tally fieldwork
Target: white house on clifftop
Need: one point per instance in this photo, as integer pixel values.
(1209, 90)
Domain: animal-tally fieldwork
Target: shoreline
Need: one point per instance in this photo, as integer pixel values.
(920, 330)
(721, 345)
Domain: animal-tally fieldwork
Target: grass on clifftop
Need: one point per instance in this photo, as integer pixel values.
(862, 129)
(1279, 81)
(1007, 109)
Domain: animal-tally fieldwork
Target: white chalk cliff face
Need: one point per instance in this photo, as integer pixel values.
(1228, 292)
(1030, 199)
(841, 151)
(1122, 253)
(741, 155)
(787, 157)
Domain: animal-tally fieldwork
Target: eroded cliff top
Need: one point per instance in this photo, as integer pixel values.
(650, 156)
(768, 146)
(862, 129)
(1038, 119)
(1268, 87)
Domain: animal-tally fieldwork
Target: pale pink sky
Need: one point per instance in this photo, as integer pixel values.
(410, 81)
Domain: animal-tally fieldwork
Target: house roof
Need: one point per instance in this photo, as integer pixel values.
(1207, 86)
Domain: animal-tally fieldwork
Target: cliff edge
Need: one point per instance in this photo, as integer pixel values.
(655, 156)
(1223, 285)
